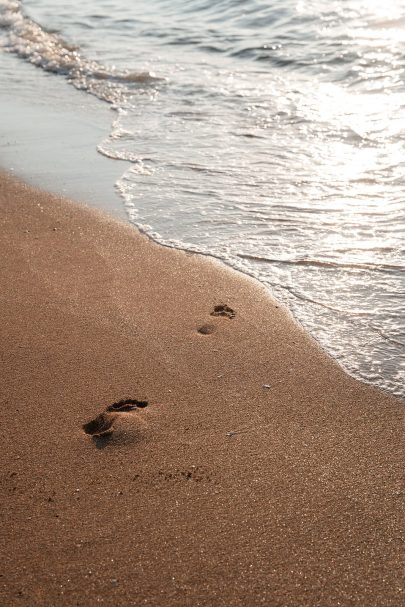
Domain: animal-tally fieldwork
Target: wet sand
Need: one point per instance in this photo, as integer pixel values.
(50, 134)
(258, 473)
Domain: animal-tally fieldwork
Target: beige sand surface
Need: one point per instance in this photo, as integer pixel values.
(221, 492)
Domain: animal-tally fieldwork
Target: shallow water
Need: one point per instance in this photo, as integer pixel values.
(268, 136)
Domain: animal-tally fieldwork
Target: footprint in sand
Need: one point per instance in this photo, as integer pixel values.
(220, 310)
(102, 425)
(206, 329)
(223, 310)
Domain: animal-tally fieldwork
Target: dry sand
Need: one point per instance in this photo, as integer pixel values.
(221, 492)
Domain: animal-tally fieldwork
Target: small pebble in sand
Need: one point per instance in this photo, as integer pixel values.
(266, 386)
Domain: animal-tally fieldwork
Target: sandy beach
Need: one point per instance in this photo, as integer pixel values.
(258, 473)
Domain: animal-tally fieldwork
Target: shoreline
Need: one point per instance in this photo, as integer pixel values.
(50, 135)
(259, 473)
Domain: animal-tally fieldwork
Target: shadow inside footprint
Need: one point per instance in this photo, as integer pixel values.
(206, 329)
(223, 310)
(128, 404)
(101, 441)
(100, 425)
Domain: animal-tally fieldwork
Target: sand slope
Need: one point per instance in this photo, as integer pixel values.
(220, 492)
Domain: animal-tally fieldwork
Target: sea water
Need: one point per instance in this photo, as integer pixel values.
(267, 134)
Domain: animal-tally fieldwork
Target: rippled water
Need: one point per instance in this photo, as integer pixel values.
(268, 134)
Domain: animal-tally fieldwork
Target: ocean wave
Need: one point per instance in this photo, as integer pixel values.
(50, 52)
(382, 267)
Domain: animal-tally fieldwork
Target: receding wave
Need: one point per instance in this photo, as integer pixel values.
(50, 52)
(325, 263)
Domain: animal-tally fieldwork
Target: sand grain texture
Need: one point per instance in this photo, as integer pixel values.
(219, 492)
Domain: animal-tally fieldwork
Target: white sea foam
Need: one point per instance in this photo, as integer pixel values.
(51, 52)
